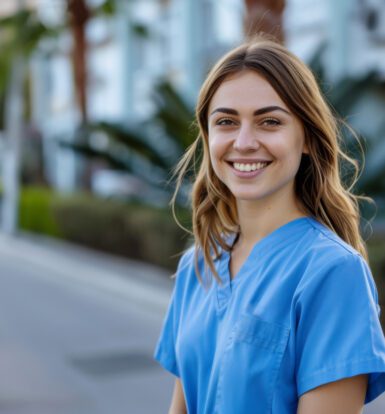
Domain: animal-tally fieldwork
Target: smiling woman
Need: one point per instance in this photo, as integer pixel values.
(253, 134)
(274, 308)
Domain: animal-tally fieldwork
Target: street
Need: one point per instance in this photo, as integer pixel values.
(71, 347)
(78, 329)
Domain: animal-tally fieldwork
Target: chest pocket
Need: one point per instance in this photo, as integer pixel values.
(250, 366)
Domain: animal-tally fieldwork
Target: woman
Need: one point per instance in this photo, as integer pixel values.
(274, 309)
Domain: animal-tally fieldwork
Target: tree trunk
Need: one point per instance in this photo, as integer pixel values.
(79, 14)
(11, 153)
(264, 16)
(13, 126)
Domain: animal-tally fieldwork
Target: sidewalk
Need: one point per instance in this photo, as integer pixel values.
(147, 285)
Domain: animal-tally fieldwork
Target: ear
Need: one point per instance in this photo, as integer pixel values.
(305, 149)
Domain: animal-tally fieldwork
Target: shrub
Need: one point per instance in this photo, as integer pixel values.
(36, 213)
(131, 230)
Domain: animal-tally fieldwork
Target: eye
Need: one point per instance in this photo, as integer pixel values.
(224, 122)
(271, 122)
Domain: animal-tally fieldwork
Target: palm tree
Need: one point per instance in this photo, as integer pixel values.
(78, 16)
(264, 16)
(19, 35)
(149, 149)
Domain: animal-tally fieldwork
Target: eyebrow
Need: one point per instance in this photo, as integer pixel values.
(259, 111)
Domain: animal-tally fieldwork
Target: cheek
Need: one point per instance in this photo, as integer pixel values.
(215, 149)
(289, 148)
(215, 153)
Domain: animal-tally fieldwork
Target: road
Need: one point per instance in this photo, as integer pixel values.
(72, 345)
(77, 332)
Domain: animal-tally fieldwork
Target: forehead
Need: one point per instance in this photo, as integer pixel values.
(245, 90)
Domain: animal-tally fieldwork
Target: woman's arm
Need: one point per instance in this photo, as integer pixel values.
(340, 397)
(178, 404)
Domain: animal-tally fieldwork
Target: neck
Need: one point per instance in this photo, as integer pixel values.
(258, 218)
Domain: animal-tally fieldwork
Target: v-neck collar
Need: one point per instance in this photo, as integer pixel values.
(274, 240)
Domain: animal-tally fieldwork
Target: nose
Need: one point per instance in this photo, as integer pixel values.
(246, 140)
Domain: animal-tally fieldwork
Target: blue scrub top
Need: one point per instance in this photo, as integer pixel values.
(302, 311)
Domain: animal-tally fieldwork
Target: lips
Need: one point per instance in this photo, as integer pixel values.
(247, 160)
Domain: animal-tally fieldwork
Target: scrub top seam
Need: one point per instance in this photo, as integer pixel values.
(325, 232)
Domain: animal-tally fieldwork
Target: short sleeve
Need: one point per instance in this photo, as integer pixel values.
(165, 348)
(338, 332)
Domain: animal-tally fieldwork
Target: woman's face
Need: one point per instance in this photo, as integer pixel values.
(255, 142)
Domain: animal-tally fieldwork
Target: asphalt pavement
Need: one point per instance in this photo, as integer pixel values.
(78, 329)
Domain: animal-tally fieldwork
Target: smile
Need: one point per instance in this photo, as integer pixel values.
(249, 167)
(248, 170)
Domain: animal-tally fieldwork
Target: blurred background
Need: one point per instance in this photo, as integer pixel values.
(96, 107)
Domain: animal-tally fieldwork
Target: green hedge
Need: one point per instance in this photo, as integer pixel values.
(36, 213)
(132, 230)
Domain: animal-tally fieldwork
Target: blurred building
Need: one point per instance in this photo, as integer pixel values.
(179, 40)
(145, 41)
(353, 31)
(8, 7)
(349, 38)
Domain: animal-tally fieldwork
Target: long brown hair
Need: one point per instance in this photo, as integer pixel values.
(318, 182)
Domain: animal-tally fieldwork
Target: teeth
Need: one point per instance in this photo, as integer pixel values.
(249, 167)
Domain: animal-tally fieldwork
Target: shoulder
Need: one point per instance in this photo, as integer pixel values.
(325, 238)
(186, 270)
(186, 259)
(326, 249)
(330, 260)
(192, 262)
(187, 284)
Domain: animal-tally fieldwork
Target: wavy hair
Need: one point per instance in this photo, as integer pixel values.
(318, 182)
